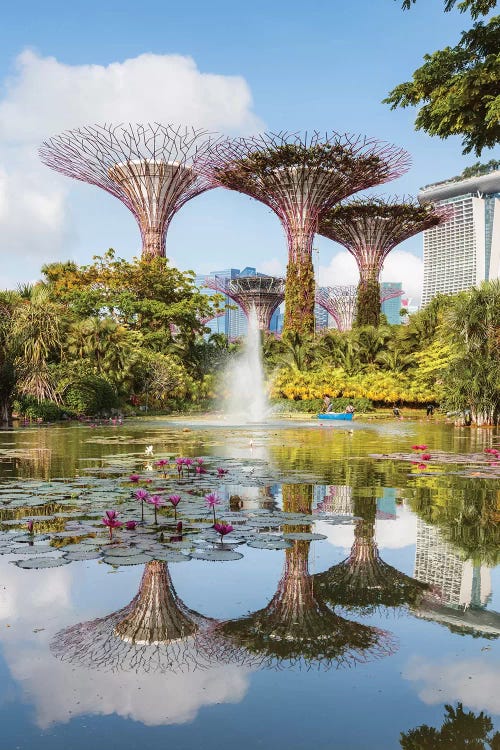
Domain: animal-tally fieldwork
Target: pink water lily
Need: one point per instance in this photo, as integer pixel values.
(175, 500)
(200, 470)
(211, 501)
(200, 461)
(221, 472)
(134, 478)
(130, 525)
(163, 465)
(188, 462)
(422, 466)
(223, 528)
(158, 502)
(111, 521)
(426, 456)
(141, 495)
(30, 526)
(179, 462)
(418, 447)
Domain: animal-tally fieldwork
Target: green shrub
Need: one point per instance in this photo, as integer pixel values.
(29, 407)
(90, 395)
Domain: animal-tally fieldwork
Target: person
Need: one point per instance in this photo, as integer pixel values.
(396, 411)
(467, 417)
(328, 404)
(349, 409)
(430, 410)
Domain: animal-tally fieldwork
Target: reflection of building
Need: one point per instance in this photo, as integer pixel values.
(335, 499)
(459, 583)
(386, 505)
(465, 250)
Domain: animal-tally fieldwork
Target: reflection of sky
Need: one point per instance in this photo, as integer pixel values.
(60, 691)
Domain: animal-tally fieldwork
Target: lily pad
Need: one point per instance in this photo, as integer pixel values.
(41, 562)
(217, 555)
(131, 560)
(303, 536)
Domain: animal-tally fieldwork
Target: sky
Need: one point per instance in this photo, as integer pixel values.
(235, 68)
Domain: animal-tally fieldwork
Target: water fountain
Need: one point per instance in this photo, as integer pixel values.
(246, 398)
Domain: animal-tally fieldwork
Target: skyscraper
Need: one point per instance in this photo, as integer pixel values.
(465, 250)
(391, 306)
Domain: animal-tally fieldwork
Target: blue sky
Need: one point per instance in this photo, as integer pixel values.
(317, 65)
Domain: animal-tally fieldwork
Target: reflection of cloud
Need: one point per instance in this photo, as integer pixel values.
(59, 691)
(474, 682)
(389, 534)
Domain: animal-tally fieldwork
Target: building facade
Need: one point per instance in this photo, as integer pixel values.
(464, 251)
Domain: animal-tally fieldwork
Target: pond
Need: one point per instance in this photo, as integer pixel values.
(357, 595)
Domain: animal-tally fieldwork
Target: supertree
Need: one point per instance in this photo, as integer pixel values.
(301, 177)
(151, 168)
(264, 293)
(155, 632)
(212, 316)
(369, 228)
(341, 302)
(363, 581)
(297, 627)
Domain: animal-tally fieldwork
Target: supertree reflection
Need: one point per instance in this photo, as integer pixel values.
(297, 627)
(363, 580)
(155, 632)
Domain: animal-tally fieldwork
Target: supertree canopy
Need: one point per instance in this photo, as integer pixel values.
(363, 581)
(151, 168)
(301, 177)
(341, 302)
(156, 632)
(370, 228)
(297, 627)
(264, 293)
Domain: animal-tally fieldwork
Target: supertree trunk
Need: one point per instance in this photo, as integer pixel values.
(300, 286)
(368, 298)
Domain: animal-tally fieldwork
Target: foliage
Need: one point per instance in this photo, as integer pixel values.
(472, 380)
(31, 408)
(299, 296)
(461, 730)
(90, 395)
(457, 87)
(368, 306)
(316, 405)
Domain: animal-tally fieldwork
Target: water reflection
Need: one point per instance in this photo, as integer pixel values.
(460, 730)
(156, 632)
(298, 627)
(363, 580)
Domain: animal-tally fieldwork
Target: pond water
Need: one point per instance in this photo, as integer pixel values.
(357, 595)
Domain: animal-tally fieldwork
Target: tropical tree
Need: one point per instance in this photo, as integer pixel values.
(457, 87)
(473, 379)
(461, 730)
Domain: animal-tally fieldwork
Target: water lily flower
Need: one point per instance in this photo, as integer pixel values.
(134, 478)
(426, 457)
(130, 525)
(148, 450)
(223, 528)
(175, 500)
(200, 470)
(111, 521)
(179, 462)
(141, 495)
(221, 471)
(418, 447)
(188, 462)
(158, 502)
(422, 466)
(30, 526)
(211, 501)
(179, 527)
(200, 461)
(162, 464)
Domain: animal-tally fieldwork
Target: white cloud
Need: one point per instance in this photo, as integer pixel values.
(60, 690)
(475, 682)
(400, 265)
(44, 96)
(389, 533)
(273, 267)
